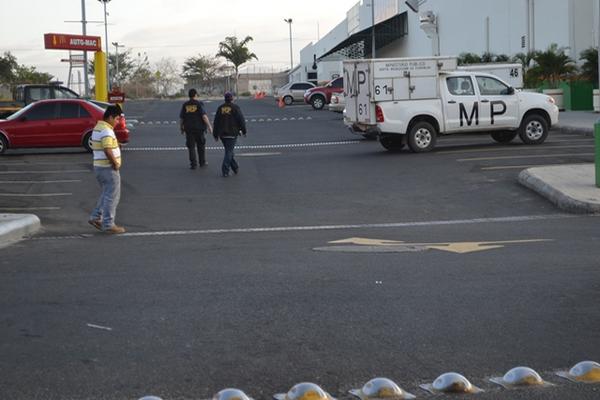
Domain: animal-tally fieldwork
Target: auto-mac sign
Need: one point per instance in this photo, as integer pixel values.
(63, 41)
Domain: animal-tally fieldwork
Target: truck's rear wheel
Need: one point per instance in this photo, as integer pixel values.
(504, 136)
(422, 137)
(318, 102)
(534, 129)
(3, 144)
(87, 142)
(392, 142)
(288, 100)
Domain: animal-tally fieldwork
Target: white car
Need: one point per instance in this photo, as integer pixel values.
(293, 91)
(338, 103)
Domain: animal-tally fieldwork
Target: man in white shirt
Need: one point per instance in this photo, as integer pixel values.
(107, 162)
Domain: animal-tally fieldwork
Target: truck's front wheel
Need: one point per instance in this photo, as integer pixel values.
(422, 137)
(391, 142)
(534, 129)
(504, 136)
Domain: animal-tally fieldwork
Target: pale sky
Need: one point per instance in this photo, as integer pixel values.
(168, 28)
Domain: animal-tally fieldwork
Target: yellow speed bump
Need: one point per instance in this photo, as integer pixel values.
(304, 391)
(585, 372)
(381, 388)
(451, 382)
(519, 377)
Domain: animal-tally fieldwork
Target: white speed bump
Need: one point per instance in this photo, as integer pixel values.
(150, 398)
(381, 388)
(231, 394)
(585, 372)
(304, 391)
(451, 382)
(519, 377)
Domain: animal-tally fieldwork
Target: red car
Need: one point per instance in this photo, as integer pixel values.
(319, 96)
(55, 123)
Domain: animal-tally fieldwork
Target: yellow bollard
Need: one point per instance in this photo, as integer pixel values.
(100, 75)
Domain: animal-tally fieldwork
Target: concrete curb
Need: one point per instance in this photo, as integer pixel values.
(562, 200)
(13, 227)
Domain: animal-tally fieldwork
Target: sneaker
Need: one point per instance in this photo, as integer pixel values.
(203, 165)
(192, 166)
(236, 170)
(225, 174)
(114, 230)
(95, 223)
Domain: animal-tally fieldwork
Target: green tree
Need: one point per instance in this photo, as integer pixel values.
(553, 65)
(236, 52)
(126, 66)
(28, 74)
(202, 69)
(527, 60)
(589, 69)
(8, 66)
(469, 58)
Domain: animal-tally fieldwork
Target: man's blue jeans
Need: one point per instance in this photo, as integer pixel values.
(228, 160)
(106, 207)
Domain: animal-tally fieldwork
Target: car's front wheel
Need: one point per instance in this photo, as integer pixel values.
(3, 144)
(87, 142)
(534, 129)
(318, 102)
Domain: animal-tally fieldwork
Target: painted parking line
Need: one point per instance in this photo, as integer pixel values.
(504, 167)
(513, 148)
(29, 208)
(524, 156)
(279, 229)
(249, 147)
(40, 182)
(72, 171)
(257, 154)
(34, 194)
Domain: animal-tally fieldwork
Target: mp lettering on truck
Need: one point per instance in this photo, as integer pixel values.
(355, 81)
(464, 115)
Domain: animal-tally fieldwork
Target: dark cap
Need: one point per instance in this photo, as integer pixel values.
(228, 96)
(192, 93)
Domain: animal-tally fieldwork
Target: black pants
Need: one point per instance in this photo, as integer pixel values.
(195, 141)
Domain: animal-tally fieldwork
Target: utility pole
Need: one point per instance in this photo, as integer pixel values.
(289, 21)
(85, 57)
(117, 45)
(373, 28)
(106, 41)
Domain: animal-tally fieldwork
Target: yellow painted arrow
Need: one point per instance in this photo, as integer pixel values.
(452, 247)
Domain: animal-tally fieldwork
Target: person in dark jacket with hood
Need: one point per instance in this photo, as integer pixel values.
(193, 121)
(229, 122)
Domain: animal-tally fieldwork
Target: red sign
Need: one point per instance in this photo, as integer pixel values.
(116, 97)
(61, 41)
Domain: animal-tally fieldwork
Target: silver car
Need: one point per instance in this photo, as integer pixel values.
(293, 91)
(338, 102)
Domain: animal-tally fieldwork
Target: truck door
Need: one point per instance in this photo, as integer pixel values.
(499, 103)
(461, 105)
(357, 90)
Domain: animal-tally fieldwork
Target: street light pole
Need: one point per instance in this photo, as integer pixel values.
(117, 45)
(85, 57)
(373, 28)
(289, 21)
(106, 41)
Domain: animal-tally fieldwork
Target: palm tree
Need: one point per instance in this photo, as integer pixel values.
(526, 60)
(589, 69)
(236, 52)
(553, 65)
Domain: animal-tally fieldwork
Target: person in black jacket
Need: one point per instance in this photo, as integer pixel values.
(229, 122)
(193, 121)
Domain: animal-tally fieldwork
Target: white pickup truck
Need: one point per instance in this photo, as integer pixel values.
(413, 100)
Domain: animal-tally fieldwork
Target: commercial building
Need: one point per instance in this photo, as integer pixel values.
(450, 27)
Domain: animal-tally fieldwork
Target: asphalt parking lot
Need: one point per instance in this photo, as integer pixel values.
(327, 259)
